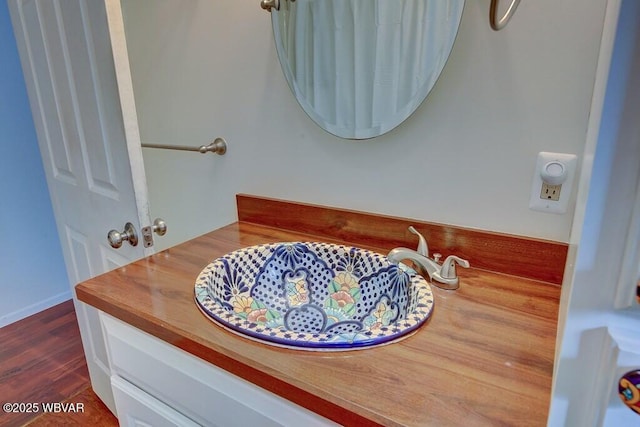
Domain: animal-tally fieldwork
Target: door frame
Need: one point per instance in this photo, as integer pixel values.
(598, 336)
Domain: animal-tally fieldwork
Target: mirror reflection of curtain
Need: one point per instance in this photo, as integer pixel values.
(357, 62)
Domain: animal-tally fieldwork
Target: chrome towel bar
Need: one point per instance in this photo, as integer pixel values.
(218, 146)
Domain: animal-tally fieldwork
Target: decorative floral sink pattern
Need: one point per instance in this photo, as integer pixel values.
(313, 296)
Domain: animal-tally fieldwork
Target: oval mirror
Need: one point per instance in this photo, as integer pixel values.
(359, 68)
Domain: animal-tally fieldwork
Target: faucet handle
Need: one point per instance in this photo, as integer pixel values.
(448, 270)
(423, 248)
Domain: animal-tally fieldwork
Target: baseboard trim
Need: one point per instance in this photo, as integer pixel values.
(34, 308)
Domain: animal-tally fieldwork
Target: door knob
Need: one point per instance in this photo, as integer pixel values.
(129, 234)
(159, 227)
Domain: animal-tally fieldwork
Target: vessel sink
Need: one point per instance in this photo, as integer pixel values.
(313, 296)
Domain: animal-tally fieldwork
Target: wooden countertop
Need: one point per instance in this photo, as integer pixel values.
(485, 357)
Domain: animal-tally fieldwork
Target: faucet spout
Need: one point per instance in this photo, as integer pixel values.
(426, 267)
(441, 275)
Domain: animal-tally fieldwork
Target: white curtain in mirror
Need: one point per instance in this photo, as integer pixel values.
(355, 64)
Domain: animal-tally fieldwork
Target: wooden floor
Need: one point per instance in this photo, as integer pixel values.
(42, 361)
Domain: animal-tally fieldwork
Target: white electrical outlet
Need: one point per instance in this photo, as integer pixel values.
(553, 182)
(550, 192)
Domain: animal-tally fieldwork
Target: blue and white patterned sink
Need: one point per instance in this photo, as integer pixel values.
(313, 296)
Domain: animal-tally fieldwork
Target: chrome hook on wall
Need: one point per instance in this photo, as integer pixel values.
(498, 24)
(270, 4)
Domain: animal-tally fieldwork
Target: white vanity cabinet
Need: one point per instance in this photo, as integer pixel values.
(158, 384)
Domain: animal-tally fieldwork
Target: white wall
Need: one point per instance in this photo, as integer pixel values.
(207, 68)
(32, 271)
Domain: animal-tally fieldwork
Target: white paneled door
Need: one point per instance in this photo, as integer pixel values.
(75, 64)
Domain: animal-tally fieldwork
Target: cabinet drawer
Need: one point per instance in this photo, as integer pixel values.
(136, 408)
(193, 387)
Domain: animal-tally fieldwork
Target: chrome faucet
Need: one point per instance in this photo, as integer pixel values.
(441, 275)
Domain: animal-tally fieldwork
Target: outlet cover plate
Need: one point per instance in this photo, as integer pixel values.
(538, 203)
